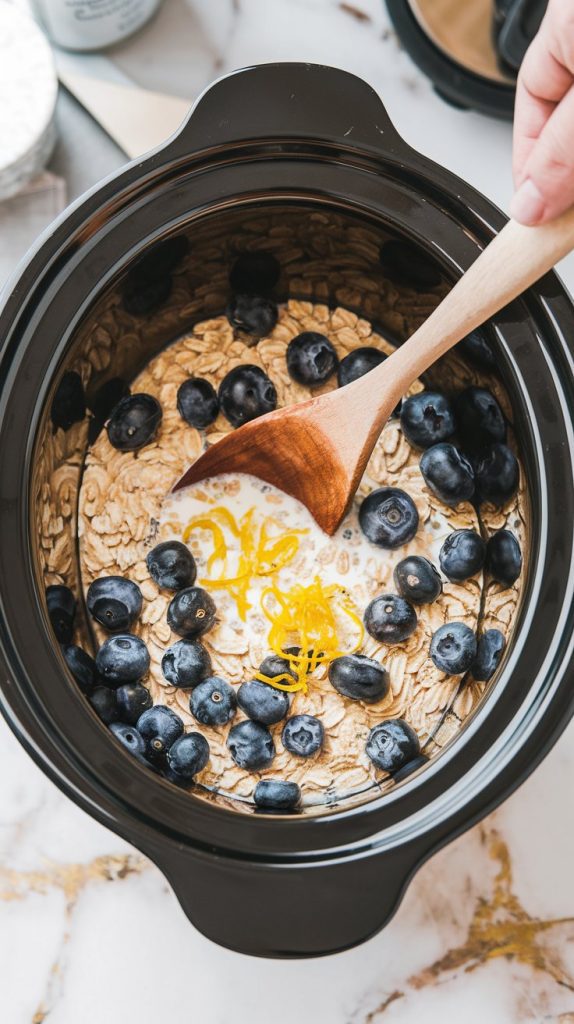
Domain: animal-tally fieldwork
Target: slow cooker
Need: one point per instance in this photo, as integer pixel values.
(471, 51)
(304, 157)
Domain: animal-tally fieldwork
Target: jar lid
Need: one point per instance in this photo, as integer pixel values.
(471, 51)
(28, 90)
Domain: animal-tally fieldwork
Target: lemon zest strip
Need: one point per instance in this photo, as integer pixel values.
(260, 554)
(305, 617)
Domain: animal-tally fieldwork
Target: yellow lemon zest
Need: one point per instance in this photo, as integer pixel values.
(260, 553)
(307, 618)
(219, 544)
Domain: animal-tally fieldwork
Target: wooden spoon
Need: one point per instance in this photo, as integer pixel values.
(318, 450)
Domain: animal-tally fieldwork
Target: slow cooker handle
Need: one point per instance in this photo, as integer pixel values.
(272, 102)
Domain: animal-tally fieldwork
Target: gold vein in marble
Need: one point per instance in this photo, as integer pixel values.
(355, 12)
(69, 878)
(500, 927)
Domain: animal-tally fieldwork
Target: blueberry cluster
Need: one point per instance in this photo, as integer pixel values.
(113, 681)
(154, 735)
(486, 470)
(245, 393)
(391, 618)
(481, 467)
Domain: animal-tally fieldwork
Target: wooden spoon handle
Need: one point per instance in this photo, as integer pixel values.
(512, 261)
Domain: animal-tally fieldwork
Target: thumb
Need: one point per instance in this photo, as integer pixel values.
(547, 186)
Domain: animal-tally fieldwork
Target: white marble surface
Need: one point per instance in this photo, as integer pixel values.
(89, 931)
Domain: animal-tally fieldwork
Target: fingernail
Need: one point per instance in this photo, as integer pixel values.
(527, 204)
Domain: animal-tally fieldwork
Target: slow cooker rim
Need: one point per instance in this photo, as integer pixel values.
(490, 211)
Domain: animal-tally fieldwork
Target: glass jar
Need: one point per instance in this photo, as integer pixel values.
(92, 24)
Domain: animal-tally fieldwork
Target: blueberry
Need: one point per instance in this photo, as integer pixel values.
(297, 652)
(251, 745)
(262, 703)
(159, 728)
(359, 678)
(453, 648)
(112, 614)
(186, 663)
(479, 419)
(359, 362)
(311, 359)
(392, 744)
(410, 767)
(276, 795)
(103, 701)
(174, 777)
(134, 422)
(408, 264)
(253, 314)
(161, 258)
(303, 735)
(171, 565)
(390, 619)
(69, 402)
(417, 580)
(129, 738)
(246, 393)
(61, 611)
(476, 348)
(104, 402)
(388, 517)
(142, 297)
(122, 659)
(197, 402)
(448, 473)
(82, 667)
(149, 282)
(188, 755)
(497, 475)
(503, 557)
(254, 273)
(427, 419)
(462, 555)
(273, 666)
(132, 699)
(114, 602)
(107, 397)
(191, 612)
(213, 702)
(488, 654)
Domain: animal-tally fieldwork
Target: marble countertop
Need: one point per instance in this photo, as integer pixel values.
(89, 929)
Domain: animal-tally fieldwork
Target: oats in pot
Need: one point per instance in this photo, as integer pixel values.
(269, 569)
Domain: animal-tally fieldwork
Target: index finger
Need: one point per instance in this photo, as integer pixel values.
(542, 82)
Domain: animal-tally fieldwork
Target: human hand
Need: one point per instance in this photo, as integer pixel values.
(543, 144)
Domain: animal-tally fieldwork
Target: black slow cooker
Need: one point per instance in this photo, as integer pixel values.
(471, 51)
(288, 152)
